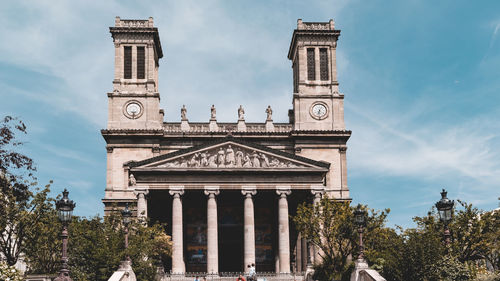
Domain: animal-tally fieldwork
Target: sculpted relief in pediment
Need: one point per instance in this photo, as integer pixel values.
(229, 157)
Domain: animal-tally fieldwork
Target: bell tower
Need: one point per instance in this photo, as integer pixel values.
(317, 103)
(135, 100)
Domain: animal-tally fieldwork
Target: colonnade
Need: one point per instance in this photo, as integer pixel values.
(178, 265)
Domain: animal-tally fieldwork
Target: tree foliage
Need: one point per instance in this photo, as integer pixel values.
(96, 247)
(417, 253)
(22, 203)
(329, 226)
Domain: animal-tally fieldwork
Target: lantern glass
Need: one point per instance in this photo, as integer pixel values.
(65, 208)
(359, 216)
(126, 214)
(64, 215)
(445, 207)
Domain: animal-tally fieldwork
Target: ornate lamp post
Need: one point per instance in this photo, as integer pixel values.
(360, 221)
(126, 215)
(64, 208)
(445, 210)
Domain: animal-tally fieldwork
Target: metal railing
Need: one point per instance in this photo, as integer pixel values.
(232, 276)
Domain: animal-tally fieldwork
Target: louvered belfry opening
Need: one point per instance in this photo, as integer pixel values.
(141, 70)
(323, 64)
(127, 62)
(311, 65)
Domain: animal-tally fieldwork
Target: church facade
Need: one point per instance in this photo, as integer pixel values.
(226, 190)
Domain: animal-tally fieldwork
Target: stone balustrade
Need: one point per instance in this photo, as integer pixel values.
(133, 23)
(227, 127)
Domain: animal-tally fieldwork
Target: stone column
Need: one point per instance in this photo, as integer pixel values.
(142, 203)
(249, 227)
(284, 231)
(212, 236)
(178, 266)
(316, 251)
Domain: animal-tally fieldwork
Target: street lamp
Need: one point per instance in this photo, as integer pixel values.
(126, 215)
(64, 208)
(360, 221)
(445, 211)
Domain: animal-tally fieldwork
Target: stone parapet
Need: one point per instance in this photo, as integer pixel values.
(226, 127)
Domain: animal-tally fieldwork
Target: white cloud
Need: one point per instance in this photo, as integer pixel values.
(464, 154)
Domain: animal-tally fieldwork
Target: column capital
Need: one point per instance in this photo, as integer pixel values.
(248, 191)
(211, 190)
(318, 191)
(176, 190)
(141, 190)
(283, 191)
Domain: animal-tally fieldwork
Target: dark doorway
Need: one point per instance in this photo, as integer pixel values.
(230, 217)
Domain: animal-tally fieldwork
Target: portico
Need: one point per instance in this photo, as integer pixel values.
(214, 227)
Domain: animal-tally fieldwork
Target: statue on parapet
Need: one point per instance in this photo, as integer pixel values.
(213, 113)
(183, 113)
(241, 113)
(269, 112)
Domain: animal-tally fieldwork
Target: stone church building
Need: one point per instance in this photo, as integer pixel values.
(226, 190)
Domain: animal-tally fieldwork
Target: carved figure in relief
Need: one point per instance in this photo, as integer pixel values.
(274, 163)
(255, 160)
(241, 113)
(211, 161)
(132, 180)
(203, 160)
(269, 112)
(239, 158)
(213, 112)
(230, 159)
(221, 158)
(183, 112)
(184, 163)
(246, 162)
(264, 160)
(194, 162)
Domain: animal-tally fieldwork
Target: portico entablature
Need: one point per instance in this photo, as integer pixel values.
(231, 164)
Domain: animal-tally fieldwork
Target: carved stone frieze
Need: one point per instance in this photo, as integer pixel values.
(228, 156)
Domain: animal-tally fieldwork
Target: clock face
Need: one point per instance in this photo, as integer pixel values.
(133, 110)
(319, 110)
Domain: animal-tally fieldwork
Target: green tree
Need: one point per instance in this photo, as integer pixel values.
(22, 203)
(96, 247)
(330, 226)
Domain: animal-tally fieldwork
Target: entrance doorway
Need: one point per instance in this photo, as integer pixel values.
(230, 217)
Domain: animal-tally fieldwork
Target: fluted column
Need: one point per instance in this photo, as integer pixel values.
(142, 203)
(284, 231)
(318, 194)
(178, 266)
(249, 227)
(212, 236)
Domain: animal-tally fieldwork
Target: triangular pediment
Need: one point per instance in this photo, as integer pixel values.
(229, 154)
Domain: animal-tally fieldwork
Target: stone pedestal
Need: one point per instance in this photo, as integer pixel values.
(359, 265)
(269, 125)
(178, 266)
(241, 126)
(124, 272)
(185, 125)
(212, 234)
(212, 125)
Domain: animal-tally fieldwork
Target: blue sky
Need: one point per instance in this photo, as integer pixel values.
(420, 78)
